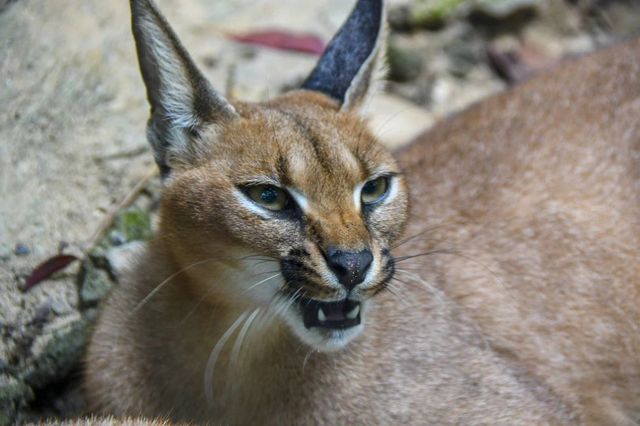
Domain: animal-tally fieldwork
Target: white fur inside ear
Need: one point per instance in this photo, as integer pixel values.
(176, 90)
(179, 131)
(176, 93)
(372, 75)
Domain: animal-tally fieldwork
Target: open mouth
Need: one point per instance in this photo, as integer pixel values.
(332, 315)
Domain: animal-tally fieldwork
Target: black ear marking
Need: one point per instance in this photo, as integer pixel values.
(349, 61)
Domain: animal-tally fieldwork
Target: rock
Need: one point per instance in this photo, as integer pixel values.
(60, 306)
(399, 18)
(57, 351)
(404, 64)
(117, 238)
(98, 255)
(95, 284)
(502, 9)
(464, 51)
(14, 394)
(432, 14)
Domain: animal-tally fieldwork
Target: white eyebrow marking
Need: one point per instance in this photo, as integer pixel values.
(392, 191)
(357, 194)
(297, 163)
(299, 198)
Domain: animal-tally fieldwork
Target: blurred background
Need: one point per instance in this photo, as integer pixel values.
(78, 189)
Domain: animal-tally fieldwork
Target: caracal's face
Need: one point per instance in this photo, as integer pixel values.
(302, 204)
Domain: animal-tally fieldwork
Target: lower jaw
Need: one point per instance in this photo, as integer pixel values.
(330, 340)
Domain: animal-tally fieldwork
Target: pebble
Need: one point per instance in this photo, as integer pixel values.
(117, 238)
(404, 64)
(59, 306)
(96, 283)
(21, 250)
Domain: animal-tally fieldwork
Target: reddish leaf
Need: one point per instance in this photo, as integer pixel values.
(48, 268)
(282, 40)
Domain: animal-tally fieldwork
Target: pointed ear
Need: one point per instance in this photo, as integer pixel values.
(353, 63)
(182, 100)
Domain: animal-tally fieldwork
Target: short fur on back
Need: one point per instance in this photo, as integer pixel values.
(513, 299)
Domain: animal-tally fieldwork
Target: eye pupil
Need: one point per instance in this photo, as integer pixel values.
(269, 195)
(370, 187)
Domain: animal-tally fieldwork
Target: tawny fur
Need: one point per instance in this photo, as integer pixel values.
(521, 305)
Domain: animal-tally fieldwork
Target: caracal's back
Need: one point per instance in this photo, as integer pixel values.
(536, 195)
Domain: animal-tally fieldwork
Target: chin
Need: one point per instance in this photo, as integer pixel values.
(324, 337)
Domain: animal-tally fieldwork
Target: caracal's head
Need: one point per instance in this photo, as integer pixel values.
(288, 205)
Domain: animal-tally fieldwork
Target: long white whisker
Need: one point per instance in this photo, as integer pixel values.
(293, 298)
(198, 303)
(168, 279)
(240, 339)
(260, 282)
(215, 353)
(208, 293)
(278, 307)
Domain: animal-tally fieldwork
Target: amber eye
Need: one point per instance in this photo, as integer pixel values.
(269, 196)
(374, 190)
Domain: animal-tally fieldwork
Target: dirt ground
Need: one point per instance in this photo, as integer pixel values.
(76, 176)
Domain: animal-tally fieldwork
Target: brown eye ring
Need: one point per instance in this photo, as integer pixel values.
(268, 196)
(374, 190)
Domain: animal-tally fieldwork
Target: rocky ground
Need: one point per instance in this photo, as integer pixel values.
(76, 175)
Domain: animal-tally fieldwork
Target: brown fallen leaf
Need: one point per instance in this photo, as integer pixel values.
(48, 268)
(283, 40)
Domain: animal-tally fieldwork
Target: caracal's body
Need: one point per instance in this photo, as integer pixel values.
(521, 306)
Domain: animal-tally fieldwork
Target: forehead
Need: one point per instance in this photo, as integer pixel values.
(305, 146)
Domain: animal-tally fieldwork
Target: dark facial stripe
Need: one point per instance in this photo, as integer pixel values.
(310, 136)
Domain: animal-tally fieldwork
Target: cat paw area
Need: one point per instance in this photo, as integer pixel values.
(79, 189)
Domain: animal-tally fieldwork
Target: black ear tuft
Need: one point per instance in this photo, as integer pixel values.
(345, 70)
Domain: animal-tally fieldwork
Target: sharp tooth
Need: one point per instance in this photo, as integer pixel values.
(353, 314)
(321, 316)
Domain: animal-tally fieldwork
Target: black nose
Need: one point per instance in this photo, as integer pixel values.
(349, 267)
